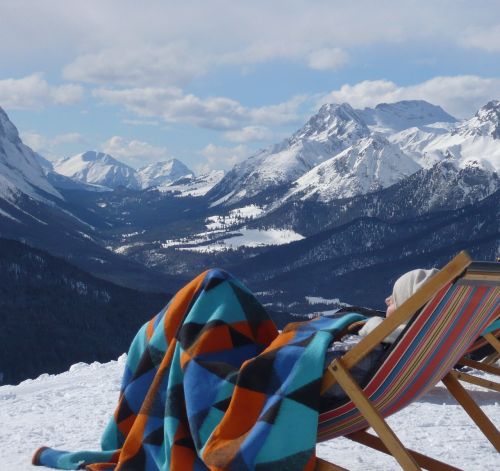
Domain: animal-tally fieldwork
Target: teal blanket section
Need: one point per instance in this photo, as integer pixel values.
(209, 383)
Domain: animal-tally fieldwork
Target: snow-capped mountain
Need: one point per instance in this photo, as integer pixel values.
(191, 185)
(485, 123)
(442, 187)
(369, 165)
(98, 168)
(394, 117)
(62, 182)
(416, 130)
(330, 131)
(475, 141)
(162, 173)
(20, 170)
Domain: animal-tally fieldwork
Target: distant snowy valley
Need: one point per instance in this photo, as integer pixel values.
(327, 217)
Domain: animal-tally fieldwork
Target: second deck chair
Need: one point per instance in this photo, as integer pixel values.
(489, 338)
(444, 317)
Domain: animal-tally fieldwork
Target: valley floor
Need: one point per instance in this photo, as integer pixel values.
(70, 410)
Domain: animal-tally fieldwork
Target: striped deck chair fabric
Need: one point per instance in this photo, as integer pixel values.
(485, 351)
(426, 351)
(491, 271)
(481, 342)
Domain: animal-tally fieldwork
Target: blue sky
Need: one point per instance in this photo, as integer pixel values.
(210, 82)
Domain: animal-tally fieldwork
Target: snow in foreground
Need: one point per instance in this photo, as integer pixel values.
(69, 411)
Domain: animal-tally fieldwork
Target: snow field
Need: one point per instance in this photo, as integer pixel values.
(70, 410)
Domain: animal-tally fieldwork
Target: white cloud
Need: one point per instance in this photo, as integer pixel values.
(51, 147)
(219, 113)
(172, 64)
(250, 134)
(460, 95)
(177, 63)
(221, 157)
(121, 42)
(485, 38)
(328, 59)
(133, 150)
(33, 91)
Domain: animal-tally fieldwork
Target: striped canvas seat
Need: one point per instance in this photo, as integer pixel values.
(481, 341)
(483, 354)
(455, 312)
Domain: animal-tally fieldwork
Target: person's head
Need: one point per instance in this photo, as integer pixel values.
(405, 286)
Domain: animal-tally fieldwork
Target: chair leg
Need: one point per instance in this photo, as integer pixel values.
(491, 359)
(479, 365)
(494, 342)
(426, 462)
(372, 415)
(474, 411)
(485, 383)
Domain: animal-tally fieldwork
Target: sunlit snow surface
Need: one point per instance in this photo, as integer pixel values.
(226, 240)
(70, 411)
(223, 233)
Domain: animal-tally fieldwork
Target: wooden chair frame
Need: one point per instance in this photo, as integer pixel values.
(387, 441)
(487, 365)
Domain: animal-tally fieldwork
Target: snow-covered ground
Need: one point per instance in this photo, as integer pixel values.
(70, 410)
(235, 217)
(220, 240)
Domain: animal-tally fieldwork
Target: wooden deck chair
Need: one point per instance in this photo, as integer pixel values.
(444, 317)
(490, 337)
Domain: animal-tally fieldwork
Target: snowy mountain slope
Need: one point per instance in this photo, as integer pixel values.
(413, 142)
(162, 173)
(71, 410)
(441, 187)
(191, 185)
(33, 210)
(20, 170)
(422, 131)
(394, 117)
(61, 182)
(98, 168)
(486, 122)
(369, 165)
(46, 165)
(475, 141)
(330, 131)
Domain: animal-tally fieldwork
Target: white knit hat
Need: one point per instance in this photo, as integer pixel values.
(409, 283)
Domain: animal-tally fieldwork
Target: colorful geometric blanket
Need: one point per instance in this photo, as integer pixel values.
(210, 384)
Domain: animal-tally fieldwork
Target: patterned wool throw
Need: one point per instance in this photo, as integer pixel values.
(210, 384)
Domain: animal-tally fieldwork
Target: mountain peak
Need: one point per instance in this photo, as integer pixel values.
(333, 119)
(331, 130)
(96, 156)
(370, 164)
(162, 173)
(20, 170)
(393, 117)
(486, 122)
(98, 168)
